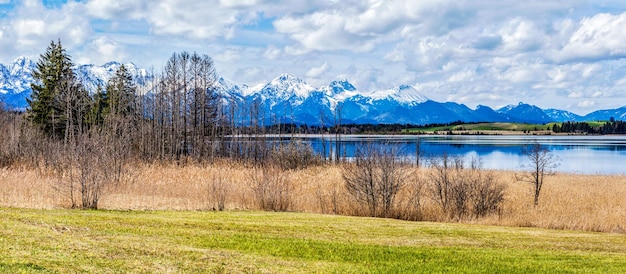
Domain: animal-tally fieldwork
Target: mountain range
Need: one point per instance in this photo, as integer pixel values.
(288, 98)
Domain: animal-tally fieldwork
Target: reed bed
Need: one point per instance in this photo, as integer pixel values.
(568, 201)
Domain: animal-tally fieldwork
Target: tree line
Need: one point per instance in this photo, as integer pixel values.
(610, 127)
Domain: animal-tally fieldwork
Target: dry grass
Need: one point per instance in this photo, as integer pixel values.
(568, 201)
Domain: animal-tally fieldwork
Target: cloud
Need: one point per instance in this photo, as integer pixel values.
(251, 75)
(186, 18)
(575, 94)
(228, 55)
(272, 52)
(586, 104)
(521, 35)
(101, 50)
(316, 72)
(31, 26)
(488, 42)
(600, 37)
(116, 9)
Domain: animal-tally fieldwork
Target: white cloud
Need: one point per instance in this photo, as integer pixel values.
(105, 9)
(462, 76)
(101, 50)
(602, 36)
(30, 27)
(575, 94)
(272, 52)
(521, 35)
(586, 104)
(228, 55)
(316, 72)
(251, 75)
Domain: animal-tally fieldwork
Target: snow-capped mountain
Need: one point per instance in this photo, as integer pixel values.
(526, 113)
(563, 115)
(16, 79)
(288, 98)
(606, 114)
(92, 76)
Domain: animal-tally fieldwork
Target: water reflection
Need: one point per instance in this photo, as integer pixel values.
(578, 154)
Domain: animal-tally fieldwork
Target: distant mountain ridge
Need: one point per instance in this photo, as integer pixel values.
(288, 98)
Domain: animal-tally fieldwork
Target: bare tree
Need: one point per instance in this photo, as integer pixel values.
(375, 177)
(441, 181)
(542, 164)
(338, 129)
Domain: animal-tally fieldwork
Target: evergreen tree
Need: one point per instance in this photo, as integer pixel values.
(99, 107)
(54, 81)
(121, 93)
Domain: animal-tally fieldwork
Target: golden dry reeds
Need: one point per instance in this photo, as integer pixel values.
(568, 201)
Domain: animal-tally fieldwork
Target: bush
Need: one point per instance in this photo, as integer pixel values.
(272, 189)
(461, 191)
(375, 177)
(294, 155)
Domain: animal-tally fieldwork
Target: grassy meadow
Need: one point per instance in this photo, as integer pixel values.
(69, 241)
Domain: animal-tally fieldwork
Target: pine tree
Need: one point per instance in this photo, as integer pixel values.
(54, 80)
(99, 108)
(121, 93)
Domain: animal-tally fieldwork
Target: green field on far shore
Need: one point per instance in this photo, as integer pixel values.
(478, 127)
(70, 241)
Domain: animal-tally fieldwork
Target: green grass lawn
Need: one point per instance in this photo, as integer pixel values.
(487, 126)
(171, 241)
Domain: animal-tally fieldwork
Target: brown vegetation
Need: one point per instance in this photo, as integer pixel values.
(569, 201)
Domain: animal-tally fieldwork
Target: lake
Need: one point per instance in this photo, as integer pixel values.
(577, 154)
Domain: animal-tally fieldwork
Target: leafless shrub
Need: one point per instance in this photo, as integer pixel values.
(487, 194)
(412, 201)
(328, 198)
(218, 189)
(272, 189)
(295, 155)
(87, 166)
(441, 181)
(461, 191)
(375, 177)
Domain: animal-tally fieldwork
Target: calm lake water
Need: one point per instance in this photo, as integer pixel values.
(577, 154)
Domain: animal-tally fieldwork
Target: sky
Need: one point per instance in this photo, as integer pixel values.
(554, 54)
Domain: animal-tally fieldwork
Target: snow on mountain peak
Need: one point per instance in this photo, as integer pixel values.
(340, 86)
(403, 94)
(339, 90)
(285, 86)
(21, 65)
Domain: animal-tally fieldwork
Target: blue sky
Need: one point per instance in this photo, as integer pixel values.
(554, 54)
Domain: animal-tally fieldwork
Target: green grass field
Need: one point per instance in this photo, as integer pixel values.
(512, 127)
(487, 126)
(191, 241)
